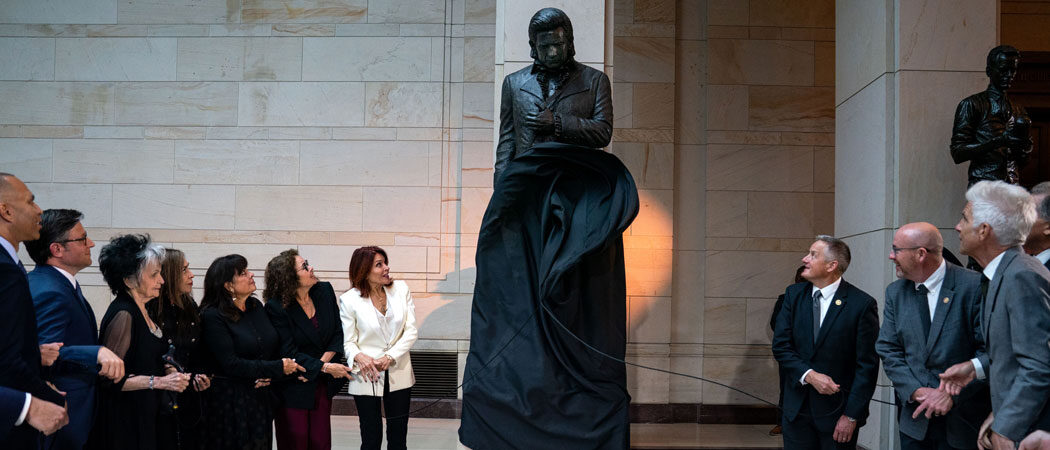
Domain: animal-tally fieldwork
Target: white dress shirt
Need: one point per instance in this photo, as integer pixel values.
(989, 272)
(826, 295)
(933, 285)
(9, 248)
(25, 408)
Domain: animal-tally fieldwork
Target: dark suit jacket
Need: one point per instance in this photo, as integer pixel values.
(63, 316)
(1016, 326)
(844, 350)
(912, 360)
(300, 338)
(11, 403)
(583, 104)
(19, 353)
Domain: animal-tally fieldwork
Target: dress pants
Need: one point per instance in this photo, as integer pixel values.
(936, 437)
(306, 429)
(802, 434)
(396, 405)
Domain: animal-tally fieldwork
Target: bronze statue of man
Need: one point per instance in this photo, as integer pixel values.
(556, 99)
(990, 131)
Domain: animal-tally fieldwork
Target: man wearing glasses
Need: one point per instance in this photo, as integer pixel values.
(65, 319)
(931, 320)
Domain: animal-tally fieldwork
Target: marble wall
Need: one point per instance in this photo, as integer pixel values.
(253, 126)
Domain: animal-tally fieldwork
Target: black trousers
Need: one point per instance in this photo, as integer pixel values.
(369, 411)
(936, 437)
(802, 434)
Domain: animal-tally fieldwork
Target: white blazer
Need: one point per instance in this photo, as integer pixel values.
(361, 334)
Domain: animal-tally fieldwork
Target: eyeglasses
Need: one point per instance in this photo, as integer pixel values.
(66, 241)
(306, 265)
(897, 250)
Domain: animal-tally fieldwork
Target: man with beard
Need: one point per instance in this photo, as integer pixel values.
(931, 321)
(556, 99)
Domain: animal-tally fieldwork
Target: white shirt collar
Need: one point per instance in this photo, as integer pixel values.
(10, 249)
(68, 276)
(828, 291)
(989, 270)
(935, 280)
(1043, 256)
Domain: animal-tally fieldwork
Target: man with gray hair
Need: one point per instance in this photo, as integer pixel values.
(1015, 315)
(825, 344)
(1038, 242)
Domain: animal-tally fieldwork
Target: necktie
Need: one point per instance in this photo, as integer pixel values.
(984, 287)
(20, 266)
(816, 314)
(924, 308)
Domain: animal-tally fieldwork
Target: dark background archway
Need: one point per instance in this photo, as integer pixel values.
(1031, 89)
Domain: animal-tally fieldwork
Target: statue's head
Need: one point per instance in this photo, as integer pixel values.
(1002, 66)
(550, 37)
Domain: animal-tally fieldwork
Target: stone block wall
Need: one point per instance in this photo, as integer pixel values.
(253, 126)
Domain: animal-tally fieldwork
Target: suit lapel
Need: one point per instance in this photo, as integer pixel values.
(574, 86)
(993, 288)
(299, 319)
(838, 303)
(946, 301)
(532, 86)
(77, 297)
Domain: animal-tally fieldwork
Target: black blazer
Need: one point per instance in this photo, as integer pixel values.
(844, 350)
(20, 366)
(300, 338)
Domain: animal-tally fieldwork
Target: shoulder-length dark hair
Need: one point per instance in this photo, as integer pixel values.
(282, 278)
(171, 293)
(361, 265)
(222, 270)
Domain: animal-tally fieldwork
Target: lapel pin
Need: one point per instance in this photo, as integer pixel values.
(946, 300)
(838, 302)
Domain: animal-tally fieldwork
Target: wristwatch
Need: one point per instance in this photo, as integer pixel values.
(850, 419)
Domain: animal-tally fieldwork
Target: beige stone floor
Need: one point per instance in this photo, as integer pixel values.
(440, 434)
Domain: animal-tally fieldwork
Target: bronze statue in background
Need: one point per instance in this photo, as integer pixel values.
(556, 99)
(990, 131)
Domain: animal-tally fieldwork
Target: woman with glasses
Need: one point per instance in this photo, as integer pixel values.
(245, 355)
(306, 317)
(177, 314)
(379, 328)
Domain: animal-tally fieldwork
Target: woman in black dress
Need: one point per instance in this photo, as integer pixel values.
(179, 318)
(129, 409)
(305, 314)
(245, 356)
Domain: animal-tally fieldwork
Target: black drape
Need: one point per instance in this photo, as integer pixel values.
(552, 235)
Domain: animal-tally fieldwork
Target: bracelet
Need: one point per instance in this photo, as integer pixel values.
(324, 368)
(151, 382)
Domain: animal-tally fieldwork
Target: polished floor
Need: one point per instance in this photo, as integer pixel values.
(440, 434)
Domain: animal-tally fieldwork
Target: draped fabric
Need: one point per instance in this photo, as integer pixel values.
(552, 235)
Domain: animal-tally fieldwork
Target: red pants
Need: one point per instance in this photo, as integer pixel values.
(306, 429)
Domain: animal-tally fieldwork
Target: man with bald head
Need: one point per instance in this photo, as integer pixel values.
(931, 321)
(1038, 242)
(20, 360)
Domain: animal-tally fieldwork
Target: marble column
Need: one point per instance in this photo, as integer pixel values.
(901, 68)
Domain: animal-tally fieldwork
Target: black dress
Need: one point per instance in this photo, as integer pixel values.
(128, 419)
(239, 416)
(180, 431)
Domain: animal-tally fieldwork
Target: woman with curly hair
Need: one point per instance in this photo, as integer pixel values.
(245, 356)
(178, 316)
(379, 328)
(129, 409)
(305, 314)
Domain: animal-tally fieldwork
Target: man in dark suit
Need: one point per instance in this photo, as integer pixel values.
(20, 360)
(825, 344)
(931, 321)
(1015, 317)
(556, 99)
(1037, 243)
(64, 315)
(17, 407)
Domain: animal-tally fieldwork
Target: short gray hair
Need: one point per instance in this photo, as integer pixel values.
(836, 250)
(1041, 188)
(1042, 207)
(1007, 208)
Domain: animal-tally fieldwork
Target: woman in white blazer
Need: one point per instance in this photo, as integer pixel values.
(379, 328)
